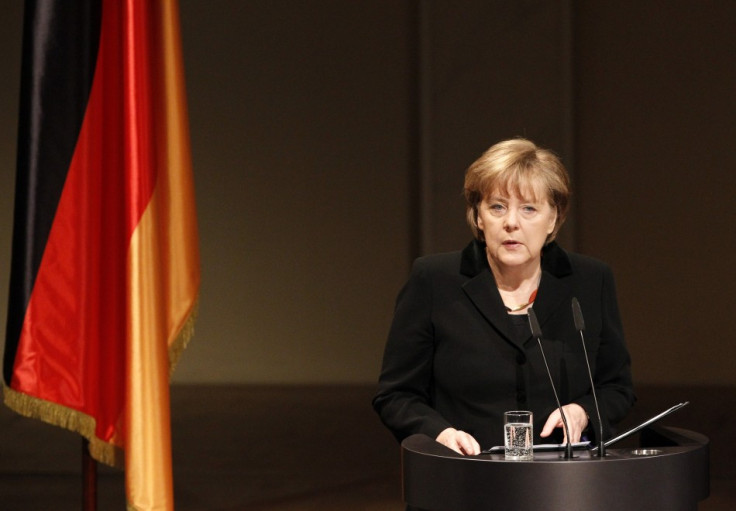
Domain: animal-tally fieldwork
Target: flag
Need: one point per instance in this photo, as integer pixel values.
(105, 264)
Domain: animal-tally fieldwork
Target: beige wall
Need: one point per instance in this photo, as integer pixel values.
(304, 127)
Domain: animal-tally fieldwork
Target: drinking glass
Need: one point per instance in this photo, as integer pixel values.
(518, 434)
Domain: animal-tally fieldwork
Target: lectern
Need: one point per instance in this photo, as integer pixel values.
(669, 471)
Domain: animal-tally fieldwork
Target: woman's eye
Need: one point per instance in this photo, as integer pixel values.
(528, 210)
(496, 208)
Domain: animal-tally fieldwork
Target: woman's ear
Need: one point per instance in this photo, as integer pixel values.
(553, 222)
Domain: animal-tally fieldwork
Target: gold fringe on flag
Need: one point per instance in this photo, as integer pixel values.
(183, 337)
(81, 423)
(67, 418)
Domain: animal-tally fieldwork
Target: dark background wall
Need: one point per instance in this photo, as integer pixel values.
(655, 132)
(330, 138)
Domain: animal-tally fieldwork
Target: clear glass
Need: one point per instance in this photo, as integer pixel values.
(518, 435)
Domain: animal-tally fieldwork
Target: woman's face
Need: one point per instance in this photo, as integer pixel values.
(515, 228)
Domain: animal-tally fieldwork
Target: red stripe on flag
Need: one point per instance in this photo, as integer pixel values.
(72, 343)
(139, 73)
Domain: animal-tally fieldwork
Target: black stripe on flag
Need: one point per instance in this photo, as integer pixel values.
(60, 42)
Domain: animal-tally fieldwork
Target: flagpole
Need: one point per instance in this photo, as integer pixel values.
(89, 479)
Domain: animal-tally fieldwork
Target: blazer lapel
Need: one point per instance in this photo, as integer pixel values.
(554, 290)
(482, 291)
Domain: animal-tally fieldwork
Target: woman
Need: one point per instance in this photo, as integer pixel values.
(460, 351)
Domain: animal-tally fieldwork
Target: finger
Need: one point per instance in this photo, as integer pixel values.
(565, 427)
(575, 431)
(553, 421)
(577, 419)
(467, 443)
(448, 438)
(474, 446)
(455, 446)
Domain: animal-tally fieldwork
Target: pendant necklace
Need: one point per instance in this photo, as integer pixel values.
(532, 297)
(530, 301)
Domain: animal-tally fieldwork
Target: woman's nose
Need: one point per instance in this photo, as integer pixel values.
(511, 220)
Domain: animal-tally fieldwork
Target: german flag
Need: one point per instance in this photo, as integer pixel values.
(105, 263)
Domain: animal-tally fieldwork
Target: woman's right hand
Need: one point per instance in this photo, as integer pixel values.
(459, 441)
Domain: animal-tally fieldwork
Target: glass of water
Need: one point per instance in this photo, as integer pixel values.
(518, 434)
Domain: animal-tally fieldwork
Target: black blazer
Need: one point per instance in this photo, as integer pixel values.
(455, 357)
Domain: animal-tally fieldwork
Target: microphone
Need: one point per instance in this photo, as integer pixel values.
(537, 333)
(577, 315)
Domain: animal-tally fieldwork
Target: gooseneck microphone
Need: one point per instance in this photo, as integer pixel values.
(577, 315)
(537, 334)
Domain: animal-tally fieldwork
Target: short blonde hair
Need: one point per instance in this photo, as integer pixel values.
(517, 167)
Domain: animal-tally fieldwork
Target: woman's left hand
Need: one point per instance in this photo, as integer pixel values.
(577, 421)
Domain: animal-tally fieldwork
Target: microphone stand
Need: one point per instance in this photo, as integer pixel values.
(580, 326)
(537, 332)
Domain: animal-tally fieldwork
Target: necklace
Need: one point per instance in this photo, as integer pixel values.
(532, 297)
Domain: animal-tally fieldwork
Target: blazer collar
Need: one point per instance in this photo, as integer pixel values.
(481, 287)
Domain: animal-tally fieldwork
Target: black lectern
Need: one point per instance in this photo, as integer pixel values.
(668, 471)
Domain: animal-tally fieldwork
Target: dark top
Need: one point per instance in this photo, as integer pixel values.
(456, 358)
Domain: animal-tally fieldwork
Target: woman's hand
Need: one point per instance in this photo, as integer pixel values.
(577, 421)
(459, 441)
